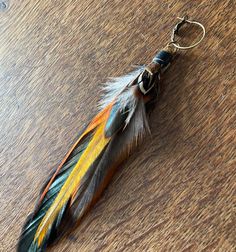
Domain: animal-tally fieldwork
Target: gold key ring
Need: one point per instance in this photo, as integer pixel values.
(184, 20)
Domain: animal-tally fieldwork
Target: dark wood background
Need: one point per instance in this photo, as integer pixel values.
(177, 192)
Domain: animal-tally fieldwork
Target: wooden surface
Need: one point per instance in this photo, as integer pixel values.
(177, 192)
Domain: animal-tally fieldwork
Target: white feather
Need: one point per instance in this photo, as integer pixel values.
(116, 85)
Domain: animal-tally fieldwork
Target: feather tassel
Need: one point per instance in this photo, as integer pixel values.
(87, 168)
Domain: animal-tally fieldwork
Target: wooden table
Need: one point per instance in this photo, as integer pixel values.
(177, 192)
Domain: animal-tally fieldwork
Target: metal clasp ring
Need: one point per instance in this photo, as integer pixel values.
(175, 31)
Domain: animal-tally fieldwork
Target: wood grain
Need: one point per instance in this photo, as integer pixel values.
(177, 192)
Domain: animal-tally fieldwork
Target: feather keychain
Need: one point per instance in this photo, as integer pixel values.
(87, 168)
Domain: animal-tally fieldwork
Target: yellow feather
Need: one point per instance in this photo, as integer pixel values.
(94, 148)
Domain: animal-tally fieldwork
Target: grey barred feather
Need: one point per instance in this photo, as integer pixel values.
(120, 90)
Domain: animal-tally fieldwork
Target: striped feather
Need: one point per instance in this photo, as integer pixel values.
(59, 178)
